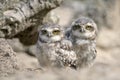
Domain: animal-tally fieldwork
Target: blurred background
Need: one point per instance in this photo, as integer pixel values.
(106, 13)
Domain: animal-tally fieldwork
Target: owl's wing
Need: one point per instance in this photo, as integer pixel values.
(66, 44)
(66, 54)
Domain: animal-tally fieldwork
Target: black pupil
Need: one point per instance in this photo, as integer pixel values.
(90, 28)
(56, 32)
(44, 32)
(76, 27)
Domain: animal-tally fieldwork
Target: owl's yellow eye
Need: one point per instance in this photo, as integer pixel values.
(75, 27)
(90, 28)
(43, 32)
(56, 32)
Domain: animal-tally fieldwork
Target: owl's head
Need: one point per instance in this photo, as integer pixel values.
(50, 33)
(84, 28)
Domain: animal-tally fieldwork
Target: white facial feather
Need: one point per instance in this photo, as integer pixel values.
(50, 37)
(56, 38)
(82, 42)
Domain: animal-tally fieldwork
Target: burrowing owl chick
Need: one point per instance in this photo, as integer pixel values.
(82, 34)
(53, 49)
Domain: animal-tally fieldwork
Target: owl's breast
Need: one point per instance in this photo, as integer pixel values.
(51, 51)
(85, 54)
(80, 47)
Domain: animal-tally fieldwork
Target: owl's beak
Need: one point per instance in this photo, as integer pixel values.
(82, 30)
(49, 35)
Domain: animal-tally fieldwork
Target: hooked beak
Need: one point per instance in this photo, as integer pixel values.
(49, 35)
(81, 30)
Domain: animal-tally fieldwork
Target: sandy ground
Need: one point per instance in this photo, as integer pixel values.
(106, 66)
